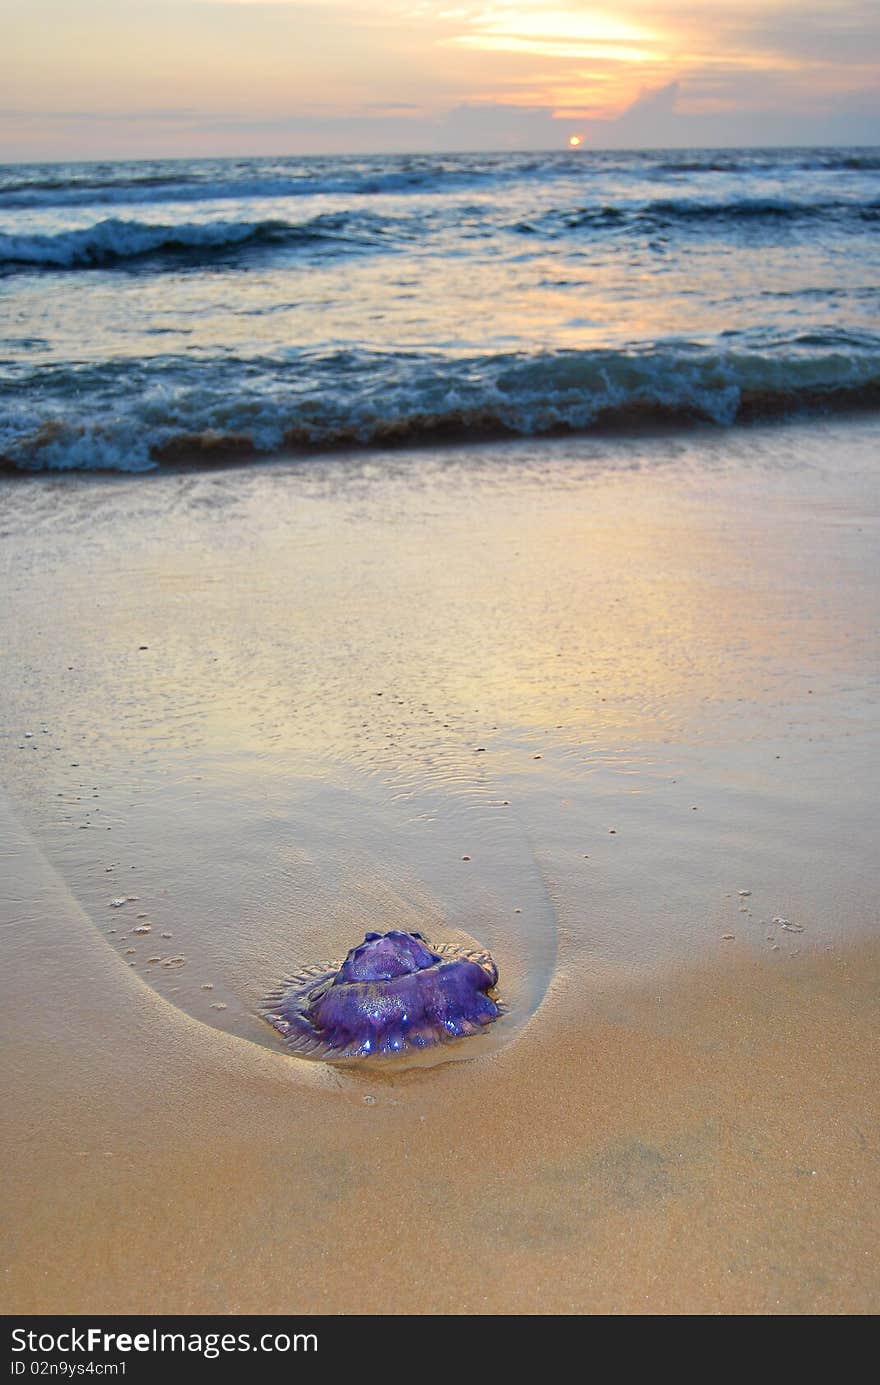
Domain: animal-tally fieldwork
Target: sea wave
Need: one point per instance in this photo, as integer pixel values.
(76, 183)
(216, 180)
(663, 213)
(764, 161)
(850, 160)
(706, 164)
(49, 192)
(111, 242)
(116, 243)
(173, 410)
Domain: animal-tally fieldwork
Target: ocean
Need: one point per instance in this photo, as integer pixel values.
(168, 311)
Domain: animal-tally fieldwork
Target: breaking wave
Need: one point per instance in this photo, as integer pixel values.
(117, 243)
(173, 410)
(113, 242)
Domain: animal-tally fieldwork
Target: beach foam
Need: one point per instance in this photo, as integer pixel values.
(111, 241)
(244, 306)
(127, 417)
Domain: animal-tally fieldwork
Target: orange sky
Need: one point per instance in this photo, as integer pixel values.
(189, 76)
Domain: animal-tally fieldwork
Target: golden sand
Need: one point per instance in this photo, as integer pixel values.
(708, 1145)
(666, 692)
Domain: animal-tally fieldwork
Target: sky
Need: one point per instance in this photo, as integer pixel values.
(152, 78)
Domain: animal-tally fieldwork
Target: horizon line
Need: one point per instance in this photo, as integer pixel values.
(580, 152)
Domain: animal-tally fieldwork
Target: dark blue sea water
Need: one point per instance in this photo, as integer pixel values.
(155, 312)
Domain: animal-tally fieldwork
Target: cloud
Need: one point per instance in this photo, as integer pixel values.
(660, 118)
(283, 76)
(845, 35)
(558, 33)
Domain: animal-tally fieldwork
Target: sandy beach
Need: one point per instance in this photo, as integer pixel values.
(608, 705)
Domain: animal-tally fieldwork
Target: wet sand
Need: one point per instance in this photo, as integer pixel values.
(628, 680)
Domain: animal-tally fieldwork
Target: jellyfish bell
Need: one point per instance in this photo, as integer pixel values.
(394, 992)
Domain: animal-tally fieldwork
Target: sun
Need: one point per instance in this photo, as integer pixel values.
(575, 141)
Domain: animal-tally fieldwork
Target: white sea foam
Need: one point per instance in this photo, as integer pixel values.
(520, 294)
(112, 241)
(182, 412)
